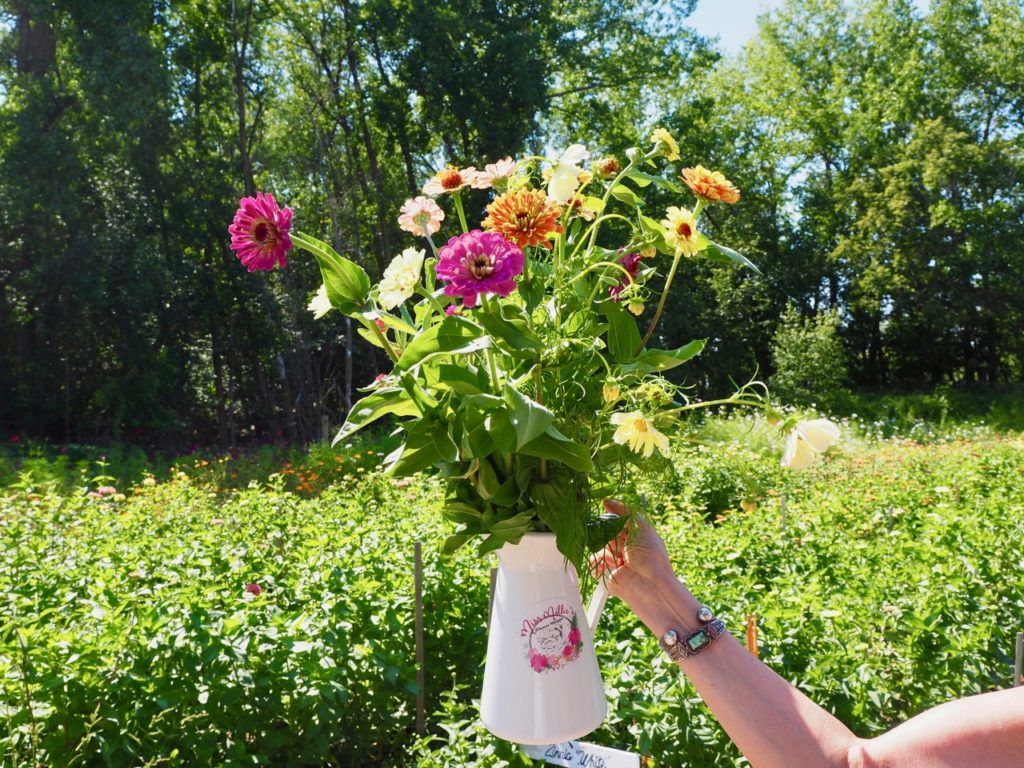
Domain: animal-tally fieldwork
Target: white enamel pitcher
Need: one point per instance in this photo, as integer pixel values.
(541, 681)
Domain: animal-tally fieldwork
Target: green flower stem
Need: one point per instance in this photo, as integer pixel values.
(433, 247)
(734, 400)
(593, 224)
(458, 208)
(539, 397)
(383, 339)
(661, 304)
(429, 296)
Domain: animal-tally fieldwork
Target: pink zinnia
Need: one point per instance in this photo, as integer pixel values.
(631, 263)
(421, 216)
(479, 262)
(259, 233)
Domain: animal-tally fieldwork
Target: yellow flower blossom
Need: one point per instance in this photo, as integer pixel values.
(635, 430)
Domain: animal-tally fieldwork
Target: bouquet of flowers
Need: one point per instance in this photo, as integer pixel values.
(521, 374)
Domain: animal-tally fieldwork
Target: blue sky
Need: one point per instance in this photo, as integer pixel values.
(735, 21)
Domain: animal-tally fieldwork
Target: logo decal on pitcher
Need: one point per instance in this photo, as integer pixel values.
(551, 639)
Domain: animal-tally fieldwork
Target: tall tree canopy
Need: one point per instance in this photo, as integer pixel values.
(879, 149)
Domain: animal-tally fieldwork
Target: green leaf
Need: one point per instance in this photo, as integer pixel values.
(398, 324)
(458, 378)
(453, 335)
(623, 335)
(511, 328)
(719, 253)
(348, 285)
(626, 195)
(555, 446)
(492, 488)
(392, 400)
(513, 528)
(603, 530)
(560, 504)
(426, 443)
(642, 179)
(461, 513)
(454, 542)
(529, 418)
(654, 360)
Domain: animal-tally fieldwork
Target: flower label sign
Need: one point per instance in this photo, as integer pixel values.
(576, 754)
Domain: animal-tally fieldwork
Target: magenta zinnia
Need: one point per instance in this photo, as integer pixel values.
(259, 233)
(631, 263)
(479, 262)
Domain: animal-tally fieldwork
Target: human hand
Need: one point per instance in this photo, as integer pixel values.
(636, 560)
(636, 568)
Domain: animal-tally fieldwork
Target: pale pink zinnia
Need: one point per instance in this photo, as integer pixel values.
(477, 263)
(421, 216)
(259, 233)
(495, 174)
(450, 179)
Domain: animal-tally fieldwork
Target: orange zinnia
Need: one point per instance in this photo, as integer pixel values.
(525, 217)
(711, 186)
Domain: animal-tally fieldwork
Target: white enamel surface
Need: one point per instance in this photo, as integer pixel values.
(536, 596)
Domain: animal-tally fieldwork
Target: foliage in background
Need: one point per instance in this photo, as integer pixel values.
(879, 149)
(128, 636)
(810, 362)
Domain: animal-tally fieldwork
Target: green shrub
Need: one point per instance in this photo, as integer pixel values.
(810, 363)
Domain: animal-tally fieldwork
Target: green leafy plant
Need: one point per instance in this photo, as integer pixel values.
(519, 373)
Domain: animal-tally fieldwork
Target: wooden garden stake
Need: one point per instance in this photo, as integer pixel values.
(1018, 662)
(325, 429)
(752, 634)
(420, 699)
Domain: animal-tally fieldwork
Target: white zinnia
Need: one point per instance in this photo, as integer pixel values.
(808, 439)
(401, 277)
(565, 173)
(320, 305)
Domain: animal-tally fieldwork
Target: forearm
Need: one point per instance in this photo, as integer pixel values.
(771, 722)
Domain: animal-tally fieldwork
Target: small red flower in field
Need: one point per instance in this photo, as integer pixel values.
(254, 589)
(106, 490)
(259, 233)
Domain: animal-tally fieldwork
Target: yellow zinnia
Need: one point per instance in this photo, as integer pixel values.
(639, 433)
(668, 144)
(680, 230)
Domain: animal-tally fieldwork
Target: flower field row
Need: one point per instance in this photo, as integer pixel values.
(132, 635)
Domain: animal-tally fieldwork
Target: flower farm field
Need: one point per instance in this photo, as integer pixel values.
(128, 638)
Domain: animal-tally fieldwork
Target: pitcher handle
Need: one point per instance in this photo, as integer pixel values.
(597, 601)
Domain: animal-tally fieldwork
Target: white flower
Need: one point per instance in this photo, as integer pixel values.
(565, 173)
(320, 305)
(808, 439)
(400, 278)
(635, 429)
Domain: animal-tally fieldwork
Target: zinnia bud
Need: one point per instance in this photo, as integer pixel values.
(636, 307)
(611, 392)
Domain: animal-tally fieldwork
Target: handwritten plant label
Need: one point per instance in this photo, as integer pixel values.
(576, 754)
(551, 636)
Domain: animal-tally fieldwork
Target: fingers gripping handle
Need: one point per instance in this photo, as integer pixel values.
(597, 601)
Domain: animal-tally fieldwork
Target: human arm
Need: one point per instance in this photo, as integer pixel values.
(773, 723)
